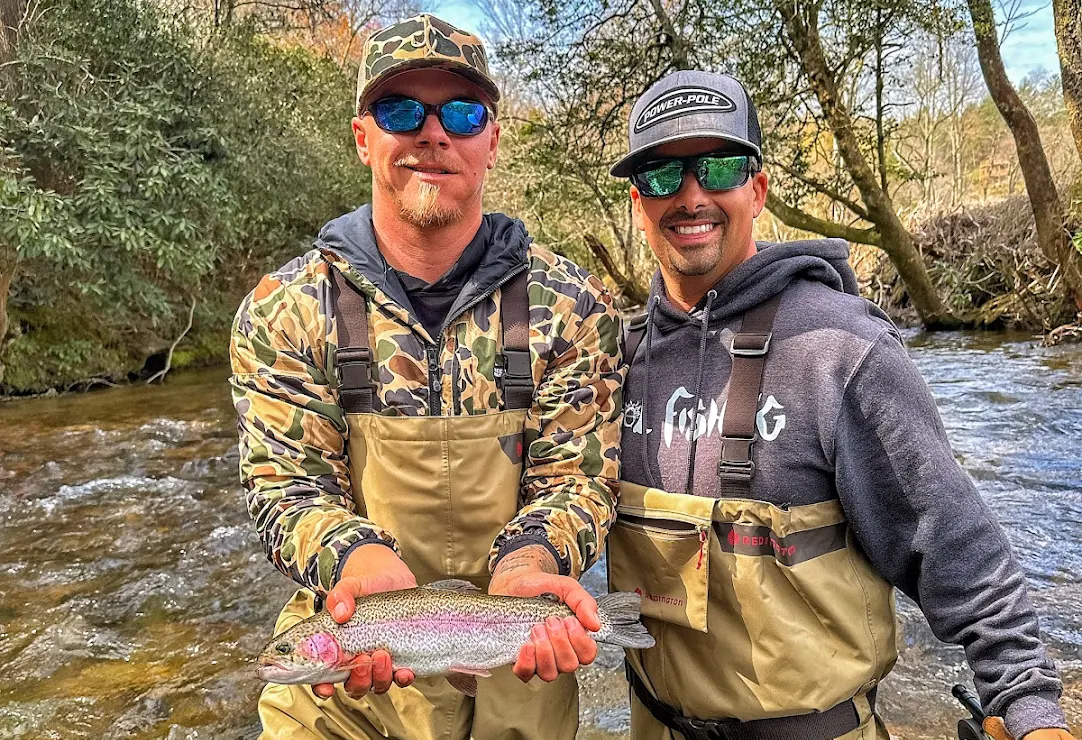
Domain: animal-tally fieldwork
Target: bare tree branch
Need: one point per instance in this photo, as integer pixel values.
(631, 292)
(819, 187)
(160, 375)
(805, 221)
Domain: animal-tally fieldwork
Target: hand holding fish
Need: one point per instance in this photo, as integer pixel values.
(559, 645)
(370, 569)
(447, 628)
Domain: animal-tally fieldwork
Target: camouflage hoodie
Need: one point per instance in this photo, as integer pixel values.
(294, 457)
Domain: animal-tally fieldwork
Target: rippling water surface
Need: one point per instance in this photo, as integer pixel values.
(134, 593)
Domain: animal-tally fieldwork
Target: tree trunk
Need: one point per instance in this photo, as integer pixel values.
(7, 273)
(1041, 188)
(11, 19)
(629, 291)
(802, 27)
(1068, 15)
(11, 16)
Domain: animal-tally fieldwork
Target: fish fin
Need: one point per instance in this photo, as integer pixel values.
(471, 670)
(464, 682)
(451, 584)
(551, 597)
(620, 613)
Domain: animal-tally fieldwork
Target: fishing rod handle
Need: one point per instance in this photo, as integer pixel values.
(969, 701)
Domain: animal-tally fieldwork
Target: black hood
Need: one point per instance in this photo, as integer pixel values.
(763, 276)
(352, 238)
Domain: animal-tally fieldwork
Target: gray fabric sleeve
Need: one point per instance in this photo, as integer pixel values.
(924, 526)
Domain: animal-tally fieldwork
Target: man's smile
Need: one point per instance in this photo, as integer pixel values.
(692, 233)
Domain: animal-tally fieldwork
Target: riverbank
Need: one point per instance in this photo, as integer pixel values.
(986, 265)
(984, 262)
(134, 593)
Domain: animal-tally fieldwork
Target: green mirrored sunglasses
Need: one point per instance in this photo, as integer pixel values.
(715, 171)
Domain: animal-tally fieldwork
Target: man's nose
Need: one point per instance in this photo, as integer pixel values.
(691, 195)
(432, 133)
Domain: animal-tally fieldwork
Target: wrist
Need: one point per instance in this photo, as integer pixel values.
(1032, 712)
(531, 558)
(369, 559)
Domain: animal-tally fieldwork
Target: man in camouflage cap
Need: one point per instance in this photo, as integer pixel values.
(428, 395)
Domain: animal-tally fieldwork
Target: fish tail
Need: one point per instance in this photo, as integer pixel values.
(620, 625)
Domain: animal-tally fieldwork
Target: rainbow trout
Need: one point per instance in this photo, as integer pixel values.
(448, 628)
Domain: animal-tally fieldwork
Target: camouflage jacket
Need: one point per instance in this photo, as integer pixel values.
(294, 454)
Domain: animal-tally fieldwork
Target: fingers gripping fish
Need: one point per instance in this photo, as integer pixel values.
(448, 628)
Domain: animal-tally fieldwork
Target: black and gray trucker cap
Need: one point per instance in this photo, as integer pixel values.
(687, 105)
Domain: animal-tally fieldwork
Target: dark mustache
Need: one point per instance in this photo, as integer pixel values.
(708, 213)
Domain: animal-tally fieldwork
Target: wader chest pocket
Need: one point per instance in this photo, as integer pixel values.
(663, 554)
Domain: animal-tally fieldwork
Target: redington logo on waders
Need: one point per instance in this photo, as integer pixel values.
(659, 598)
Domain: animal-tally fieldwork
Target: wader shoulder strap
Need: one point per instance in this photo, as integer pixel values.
(748, 348)
(356, 387)
(635, 330)
(515, 372)
(832, 723)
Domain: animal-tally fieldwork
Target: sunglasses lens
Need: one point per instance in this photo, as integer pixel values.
(398, 115)
(660, 179)
(722, 173)
(463, 117)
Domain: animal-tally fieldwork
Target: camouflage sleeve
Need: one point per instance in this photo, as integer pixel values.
(572, 465)
(293, 457)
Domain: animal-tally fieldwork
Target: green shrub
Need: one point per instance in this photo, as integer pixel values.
(145, 164)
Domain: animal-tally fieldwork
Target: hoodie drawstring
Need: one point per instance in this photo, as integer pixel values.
(698, 389)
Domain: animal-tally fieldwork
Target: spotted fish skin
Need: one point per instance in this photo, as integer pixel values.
(434, 631)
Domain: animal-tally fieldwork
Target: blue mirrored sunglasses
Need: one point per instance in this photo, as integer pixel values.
(401, 115)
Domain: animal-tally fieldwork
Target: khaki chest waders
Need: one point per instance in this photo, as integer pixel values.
(770, 623)
(445, 487)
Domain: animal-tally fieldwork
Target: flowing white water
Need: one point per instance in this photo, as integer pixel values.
(134, 592)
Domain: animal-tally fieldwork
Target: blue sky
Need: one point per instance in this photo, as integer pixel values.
(1027, 48)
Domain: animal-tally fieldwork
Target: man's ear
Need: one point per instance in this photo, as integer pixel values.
(761, 183)
(361, 137)
(638, 215)
(494, 145)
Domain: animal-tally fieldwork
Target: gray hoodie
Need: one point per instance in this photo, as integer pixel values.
(843, 414)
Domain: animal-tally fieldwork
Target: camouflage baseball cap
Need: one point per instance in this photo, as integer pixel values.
(423, 41)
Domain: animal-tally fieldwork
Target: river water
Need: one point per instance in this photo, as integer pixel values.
(134, 593)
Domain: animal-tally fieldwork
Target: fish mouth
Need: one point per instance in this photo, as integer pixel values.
(280, 674)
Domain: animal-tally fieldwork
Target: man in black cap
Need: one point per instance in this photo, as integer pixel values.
(785, 467)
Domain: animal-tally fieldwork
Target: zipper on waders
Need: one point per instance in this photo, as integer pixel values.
(435, 383)
(432, 351)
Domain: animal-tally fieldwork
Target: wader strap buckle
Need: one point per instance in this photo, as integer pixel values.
(736, 463)
(356, 384)
(750, 344)
(514, 370)
(749, 347)
(356, 381)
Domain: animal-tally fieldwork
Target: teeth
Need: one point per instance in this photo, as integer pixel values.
(700, 229)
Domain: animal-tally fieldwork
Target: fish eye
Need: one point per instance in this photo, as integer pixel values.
(283, 648)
